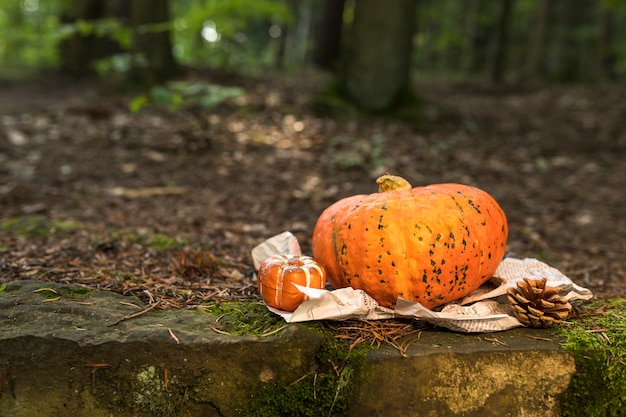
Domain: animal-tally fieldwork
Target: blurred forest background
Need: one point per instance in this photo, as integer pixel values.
(505, 40)
(149, 145)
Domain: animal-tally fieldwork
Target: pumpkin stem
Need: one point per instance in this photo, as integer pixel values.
(390, 182)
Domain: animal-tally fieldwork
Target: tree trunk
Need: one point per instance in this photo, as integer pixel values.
(502, 41)
(470, 15)
(573, 56)
(538, 62)
(281, 50)
(606, 56)
(479, 37)
(78, 51)
(152, 47)
(378, 60)
(328, 35)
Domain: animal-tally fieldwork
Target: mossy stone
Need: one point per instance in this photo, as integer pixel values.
(597, 340)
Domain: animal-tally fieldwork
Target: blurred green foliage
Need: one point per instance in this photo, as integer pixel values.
(177, 93)
(31, 30)
(454, 39)
(29, 33)
(241, 27)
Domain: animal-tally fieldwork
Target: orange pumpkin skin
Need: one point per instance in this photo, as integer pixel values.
(278, 273)
(432, 244)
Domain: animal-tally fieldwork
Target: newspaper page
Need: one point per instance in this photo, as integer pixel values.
(285, 242)
(340, 304)
(512, 270)
(485, 310)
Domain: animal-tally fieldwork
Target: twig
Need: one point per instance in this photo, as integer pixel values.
(173, 336)
(495, 340)
(606, 337)
(344, 379)
(97, 365)
(356, 342)
(45, 289)
(404, 347)
(148, 293)
(545, 339)
(375, 333)
(216, 330)
(137, 314)
(300, 379)
(130, 304)
(274, 331)
(94, 368)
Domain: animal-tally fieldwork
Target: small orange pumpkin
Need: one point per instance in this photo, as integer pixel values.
(432, 244)
(279, 272)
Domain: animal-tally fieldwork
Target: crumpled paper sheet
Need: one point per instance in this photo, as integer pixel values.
(484, 310)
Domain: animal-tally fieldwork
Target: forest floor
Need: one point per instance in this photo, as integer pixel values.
(169, 202)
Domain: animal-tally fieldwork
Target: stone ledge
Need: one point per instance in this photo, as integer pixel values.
(64, 357)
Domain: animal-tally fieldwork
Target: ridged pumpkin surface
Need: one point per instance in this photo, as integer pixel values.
(432, 244)
(279, 272)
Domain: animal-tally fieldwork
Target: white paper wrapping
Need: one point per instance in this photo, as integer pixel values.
(482, 311)
(339, 304)
(285, 242)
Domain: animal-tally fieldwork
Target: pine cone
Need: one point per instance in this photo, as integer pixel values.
(536, 305)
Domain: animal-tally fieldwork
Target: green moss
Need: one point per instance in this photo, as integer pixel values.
(161, 242)
(47, 292)
(145, 238)
(141, 391)
(11, 287)
(150, 394)
(157, 241)
(39, 226)
(65, 291)
(244, 318)
(75, 291)
(597, 340)
(325, 391)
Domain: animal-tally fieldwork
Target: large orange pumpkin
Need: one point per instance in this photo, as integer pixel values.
(279, 272)
(432, 244)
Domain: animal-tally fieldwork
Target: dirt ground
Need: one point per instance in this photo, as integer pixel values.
(169, 203)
